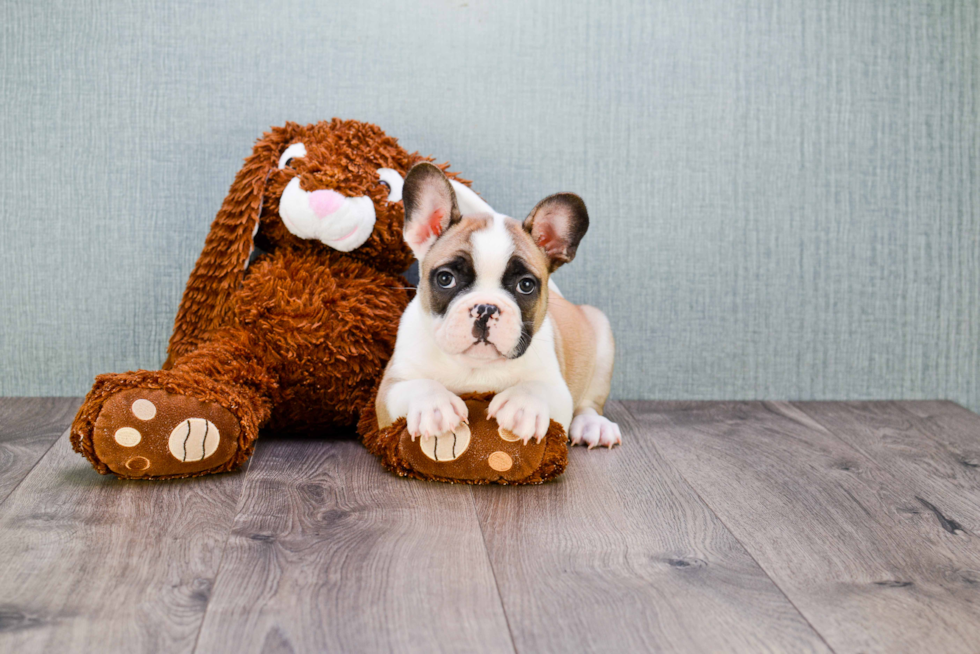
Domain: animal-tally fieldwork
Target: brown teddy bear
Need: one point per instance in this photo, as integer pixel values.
(295, 340)
(476, 452)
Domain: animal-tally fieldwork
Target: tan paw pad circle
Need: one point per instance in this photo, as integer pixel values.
(127, 437)
(508, 435)
(194, 439)
(138, 464)
(500, 461)
(144, 409)
(448, 446)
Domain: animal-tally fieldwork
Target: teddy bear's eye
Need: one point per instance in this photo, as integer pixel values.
(390, 178)
(292, 152)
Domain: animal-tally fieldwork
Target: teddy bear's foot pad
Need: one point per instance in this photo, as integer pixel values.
(152, 434)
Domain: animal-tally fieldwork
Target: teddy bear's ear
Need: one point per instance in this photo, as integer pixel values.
(221, 266)
(430, 207)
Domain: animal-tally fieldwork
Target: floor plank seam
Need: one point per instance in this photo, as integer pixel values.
(925, 428)
(31, 469)
(946, 523)
(800, 406)
(748, 552)
(224, 550)
(900, 484)
(496, 584)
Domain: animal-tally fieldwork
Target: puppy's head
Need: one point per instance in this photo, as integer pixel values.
(484, 276)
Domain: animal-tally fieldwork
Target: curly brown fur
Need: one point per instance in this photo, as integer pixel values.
(298, 339)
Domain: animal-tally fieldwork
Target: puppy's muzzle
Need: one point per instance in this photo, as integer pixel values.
(487, 323)
(482, 314)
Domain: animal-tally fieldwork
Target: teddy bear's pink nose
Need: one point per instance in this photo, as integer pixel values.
(325, 202)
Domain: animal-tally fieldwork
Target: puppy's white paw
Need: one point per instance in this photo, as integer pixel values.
(591, 429)
(435, 412)
(524, 414)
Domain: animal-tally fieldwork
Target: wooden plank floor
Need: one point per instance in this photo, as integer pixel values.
(743, 527)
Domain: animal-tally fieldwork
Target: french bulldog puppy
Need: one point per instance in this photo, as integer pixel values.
(486, 318)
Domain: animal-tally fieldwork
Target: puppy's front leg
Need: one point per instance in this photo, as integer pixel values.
(428, 407)
(526, 409)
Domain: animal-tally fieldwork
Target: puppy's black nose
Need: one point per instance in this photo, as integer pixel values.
(486, 310)
(483, 314)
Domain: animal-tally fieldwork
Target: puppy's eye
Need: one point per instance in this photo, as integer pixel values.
(292, 152)
(390, 179)
(445, 279)
(526, 286)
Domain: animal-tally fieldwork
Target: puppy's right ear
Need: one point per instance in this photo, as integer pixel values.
(430, 207)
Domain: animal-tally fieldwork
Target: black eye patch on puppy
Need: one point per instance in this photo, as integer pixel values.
(441, 295)
(516, 272)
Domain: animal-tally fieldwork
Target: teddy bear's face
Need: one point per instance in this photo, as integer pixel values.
(336, 186)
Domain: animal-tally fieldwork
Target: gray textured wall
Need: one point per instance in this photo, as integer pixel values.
(785, 195)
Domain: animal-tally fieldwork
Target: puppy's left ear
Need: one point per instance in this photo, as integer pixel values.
(557, 224)
(430, 207)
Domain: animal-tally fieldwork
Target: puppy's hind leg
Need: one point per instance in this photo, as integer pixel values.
(589, 427)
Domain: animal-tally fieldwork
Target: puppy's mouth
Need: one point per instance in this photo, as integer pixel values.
(484, 352)
(479, 329)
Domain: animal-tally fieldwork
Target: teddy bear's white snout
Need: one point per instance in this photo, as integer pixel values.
(341, 222)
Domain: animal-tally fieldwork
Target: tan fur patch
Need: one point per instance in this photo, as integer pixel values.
(575, 346)
(536, 260)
